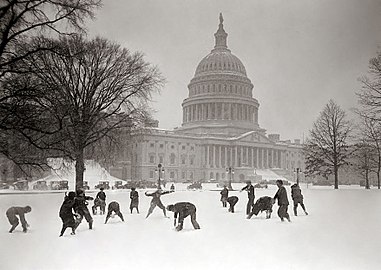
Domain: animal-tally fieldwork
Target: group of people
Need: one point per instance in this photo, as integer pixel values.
(74, 207)
(265, 203)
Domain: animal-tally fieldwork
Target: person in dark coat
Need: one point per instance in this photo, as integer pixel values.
(224, 196)
(100, 201)
(232, 200)
(172, 188)
(66, 214)
(156, 201)
(113, 207)
(12, 214)
(134, 196)
(283, 203)
(181, 211)
(297, 197)
(80, 207)
(251, 196)
(262, 204)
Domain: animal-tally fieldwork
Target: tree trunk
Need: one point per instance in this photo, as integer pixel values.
(79, 169)
(378, 178)
(366, 179)
(336, 177)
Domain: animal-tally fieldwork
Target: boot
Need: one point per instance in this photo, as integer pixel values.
(90, 225)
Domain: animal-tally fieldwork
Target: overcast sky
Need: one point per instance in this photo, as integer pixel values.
(297, 53)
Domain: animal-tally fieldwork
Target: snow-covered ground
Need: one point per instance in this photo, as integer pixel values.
(341, 232)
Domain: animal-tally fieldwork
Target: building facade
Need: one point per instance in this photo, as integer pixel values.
(220, 130)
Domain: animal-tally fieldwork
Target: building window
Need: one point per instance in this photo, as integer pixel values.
(172, 175)
(183, 160)
(183, 174)
(151, 173)
(151, 159)
(172, 159)
(191, 161)
(183, 147)
(161, 159)
(192, 148)
(152, 145)
(172, 147)
(161, 146)
(191, 175)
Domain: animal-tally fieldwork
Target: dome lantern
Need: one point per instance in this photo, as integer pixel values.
(221, 36)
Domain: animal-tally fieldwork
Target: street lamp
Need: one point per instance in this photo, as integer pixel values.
(230, 172)
(297, 170)
(159, 170)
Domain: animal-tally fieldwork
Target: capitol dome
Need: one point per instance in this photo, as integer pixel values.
(222, 61)
(220, 97)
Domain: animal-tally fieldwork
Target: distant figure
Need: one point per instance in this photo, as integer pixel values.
(14, 221)
(113, 207)
(224, 196)
(297, 197)
(156, 201)
(134, 196)
(283, 203)
(182, 210)
(262, 204)
(67, 215)
(172, 188)
(100, 201)
(251, 196)
(80, 207)
(232, 200)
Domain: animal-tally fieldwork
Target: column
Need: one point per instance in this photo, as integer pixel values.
(247, 155)
(207, 156)
(220, 155)
(214, 156)
(226, 156)
(241, 155)
(235, 156)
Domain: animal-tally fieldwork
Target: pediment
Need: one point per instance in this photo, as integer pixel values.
(253, 136)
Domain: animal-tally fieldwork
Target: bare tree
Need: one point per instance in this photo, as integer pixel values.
(20, 20)
(370, 109)
(326, 149)
(364, 160)
(371, 136)
(86, 91)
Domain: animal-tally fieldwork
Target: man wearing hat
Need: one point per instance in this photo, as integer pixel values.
(250, 194)
(181, 211)
(80, 207)
(283, 203)
(100, 201)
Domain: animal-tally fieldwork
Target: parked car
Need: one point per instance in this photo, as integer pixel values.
(104, 184)
(40, 185)
(118, 185)
(21, 185)
(4, 185)
(55, 185)
(64, 184)
(258, 185)
(196, 185)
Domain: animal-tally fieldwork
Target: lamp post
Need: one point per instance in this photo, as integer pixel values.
(297, 170)
(230, 172)
(159, 170)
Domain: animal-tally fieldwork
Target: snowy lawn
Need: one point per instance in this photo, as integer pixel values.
(342, 231)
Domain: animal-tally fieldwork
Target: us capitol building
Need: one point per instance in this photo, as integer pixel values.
(220, 130)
